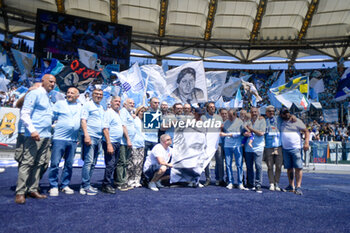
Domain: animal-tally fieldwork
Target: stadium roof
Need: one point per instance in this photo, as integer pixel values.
(246, 30)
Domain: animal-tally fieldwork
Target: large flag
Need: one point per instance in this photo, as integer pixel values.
(299, 83)
(88, 58)
(131, 79)
(25, 61)
(293, 97)
(238, 100)
(154, 79)
(343, 90)
(187, 83)
(280, 81)
(132, 83)
(215, 84)
(317, 85)
(231, 87)
(76, 75)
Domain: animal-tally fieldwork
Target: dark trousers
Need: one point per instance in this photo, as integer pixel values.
(111, 161)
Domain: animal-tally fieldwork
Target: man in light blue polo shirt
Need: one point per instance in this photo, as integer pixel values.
(64, 143)
(91, 124)
(232, 132)
(36, 115)
(113, 131)
(127, 118)
(254, 154)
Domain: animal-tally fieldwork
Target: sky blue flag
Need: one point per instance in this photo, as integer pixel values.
(253, 101)
(293, 97)
(280, 81)
(238, 103)
(343, 90)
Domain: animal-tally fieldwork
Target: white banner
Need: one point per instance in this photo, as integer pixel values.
(193, 150)
(187, 83)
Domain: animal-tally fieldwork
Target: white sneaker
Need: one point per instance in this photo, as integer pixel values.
(2, 170)
(159, 184)
(90, 191)
(152, 186)
(53, 192)
(229, 186)
(277, 188)
(272, 187)
(67, 190)
(200, 185)
(241, 187)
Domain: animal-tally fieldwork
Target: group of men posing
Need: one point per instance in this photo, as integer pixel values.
(130, 153)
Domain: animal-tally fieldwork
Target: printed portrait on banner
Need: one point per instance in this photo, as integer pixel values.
(187, 83)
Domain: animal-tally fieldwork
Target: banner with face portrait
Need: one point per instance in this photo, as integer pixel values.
(9, 118)
(187, 83)
(193, 150)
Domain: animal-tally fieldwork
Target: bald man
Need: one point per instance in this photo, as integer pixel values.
(36, 116)
(64, 142)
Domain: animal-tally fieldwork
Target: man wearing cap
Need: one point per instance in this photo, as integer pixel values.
(291, 145)
(273, 148)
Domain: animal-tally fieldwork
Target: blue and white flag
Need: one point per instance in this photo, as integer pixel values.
(231, 87)
(238, 103)
(89, 59)
(293, 97)
(215, 84)
(187, 83)
(25, 61)
(280, 81)
(154, 79)
(343, 90)
(131, 79)
(330, 115)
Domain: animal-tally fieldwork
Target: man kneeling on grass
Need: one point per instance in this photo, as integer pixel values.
(157, 165)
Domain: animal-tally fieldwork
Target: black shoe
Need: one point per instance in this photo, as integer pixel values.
(258, 189)
(207, 182)
(222, 183)
(108, 189)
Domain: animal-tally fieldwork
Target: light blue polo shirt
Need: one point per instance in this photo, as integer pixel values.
(235, 127)
(273, 135)
(93, 113)
(139, 139)
(128, 120)
(68, 120)
(38, 102)
(114, 124)
(259, 141)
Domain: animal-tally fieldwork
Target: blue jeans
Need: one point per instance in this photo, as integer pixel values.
(229, 153)
(65, 149)
(110, 162)
(251, 158)
(90, 154)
